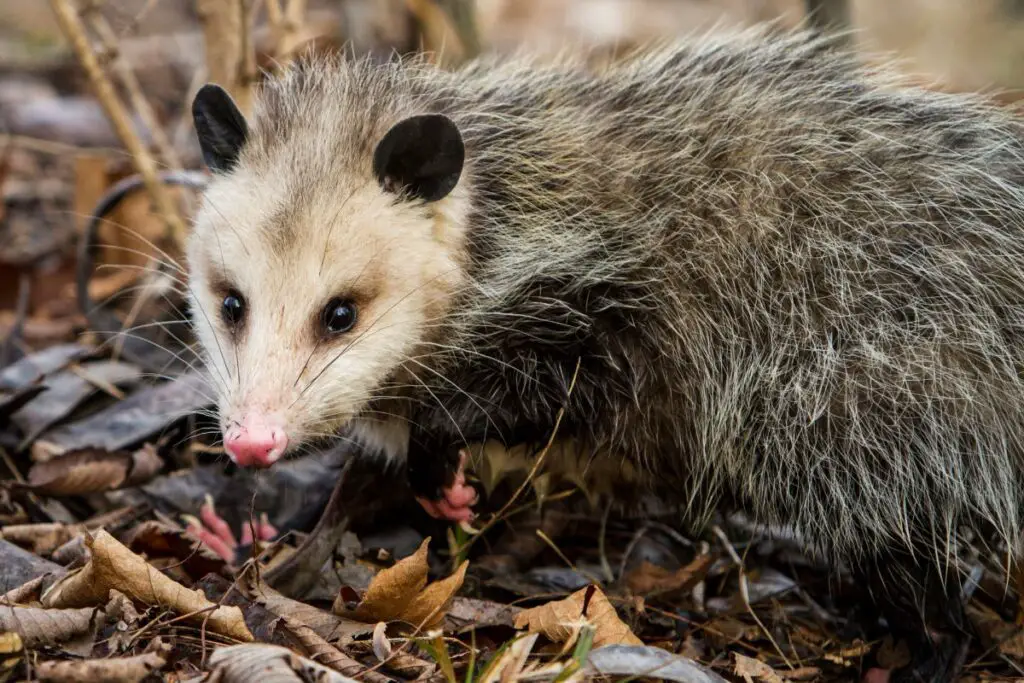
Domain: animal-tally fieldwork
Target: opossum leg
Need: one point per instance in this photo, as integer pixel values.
(924, 608)
(438, 480)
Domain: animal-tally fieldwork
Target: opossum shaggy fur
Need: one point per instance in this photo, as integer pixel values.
(778, 279)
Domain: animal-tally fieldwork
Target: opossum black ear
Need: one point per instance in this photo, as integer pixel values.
(420, 157)
(220, 126)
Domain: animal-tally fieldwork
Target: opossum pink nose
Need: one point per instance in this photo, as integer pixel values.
(255, 443)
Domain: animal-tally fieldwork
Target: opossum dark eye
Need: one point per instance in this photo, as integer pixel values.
(339, 316)
(232, 309)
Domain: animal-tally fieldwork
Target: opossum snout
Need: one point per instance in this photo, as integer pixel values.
(256, 441)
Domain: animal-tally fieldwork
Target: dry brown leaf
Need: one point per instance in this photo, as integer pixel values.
(154, 539)
(401, 593)
(113, 670)
(93, 471)
(26, 592)
(559, 621)
(751, 669)
(650, 578)
(1013, 646)
(331, 627)
(322, 651)
(38, 626)
(11, 651)
(511, 662)
(428, 609)
(466, 613)
(392, 589)
(114, 566)
(41, 539)
(248, 663)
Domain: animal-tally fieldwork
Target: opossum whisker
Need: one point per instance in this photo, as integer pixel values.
(170, 352)
(231, 227)
(472, 399)
(175, 356)
(172, 270)
(168, 259)
(393, 416)
(330, 229)
(220, 350)
(224, 270)
(160, 283)
(444, 409)
(153, 323)
(363, 334)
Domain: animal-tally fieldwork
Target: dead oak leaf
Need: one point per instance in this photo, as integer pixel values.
(650, 578)
(750, 669)
(559, 621)
(113, 566)
(401, 593)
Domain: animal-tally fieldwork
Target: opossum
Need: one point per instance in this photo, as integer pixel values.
(747, 266)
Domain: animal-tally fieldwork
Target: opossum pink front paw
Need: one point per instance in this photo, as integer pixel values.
(457, 500)
(876, 675)
(214, 533)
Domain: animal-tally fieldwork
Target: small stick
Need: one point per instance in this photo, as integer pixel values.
(71, 24)
(131, 85)
(745, 590)
(225, 31)
(247, 58)
(285, 27)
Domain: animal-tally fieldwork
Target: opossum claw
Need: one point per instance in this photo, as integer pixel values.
(457, 499)
(214, 533)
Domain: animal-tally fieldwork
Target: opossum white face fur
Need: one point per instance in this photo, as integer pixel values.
(315, 275)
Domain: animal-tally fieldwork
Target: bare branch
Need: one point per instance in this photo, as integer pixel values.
(73, 28)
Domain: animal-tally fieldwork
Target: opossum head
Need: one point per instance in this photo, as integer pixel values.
(323, 255)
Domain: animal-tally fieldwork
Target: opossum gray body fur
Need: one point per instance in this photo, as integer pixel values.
(775, 277)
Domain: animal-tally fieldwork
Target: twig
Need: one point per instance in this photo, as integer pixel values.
(606, 567)
(56, 147)
(463, 15)
(536, 465)
(745, 590)
(98, 382)
(285, 27)
(558, 551)
(828, 15)
(71, 24)
(131, 85)
(227, 35)
(247, 60)
(21, 313)
(439, 36)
